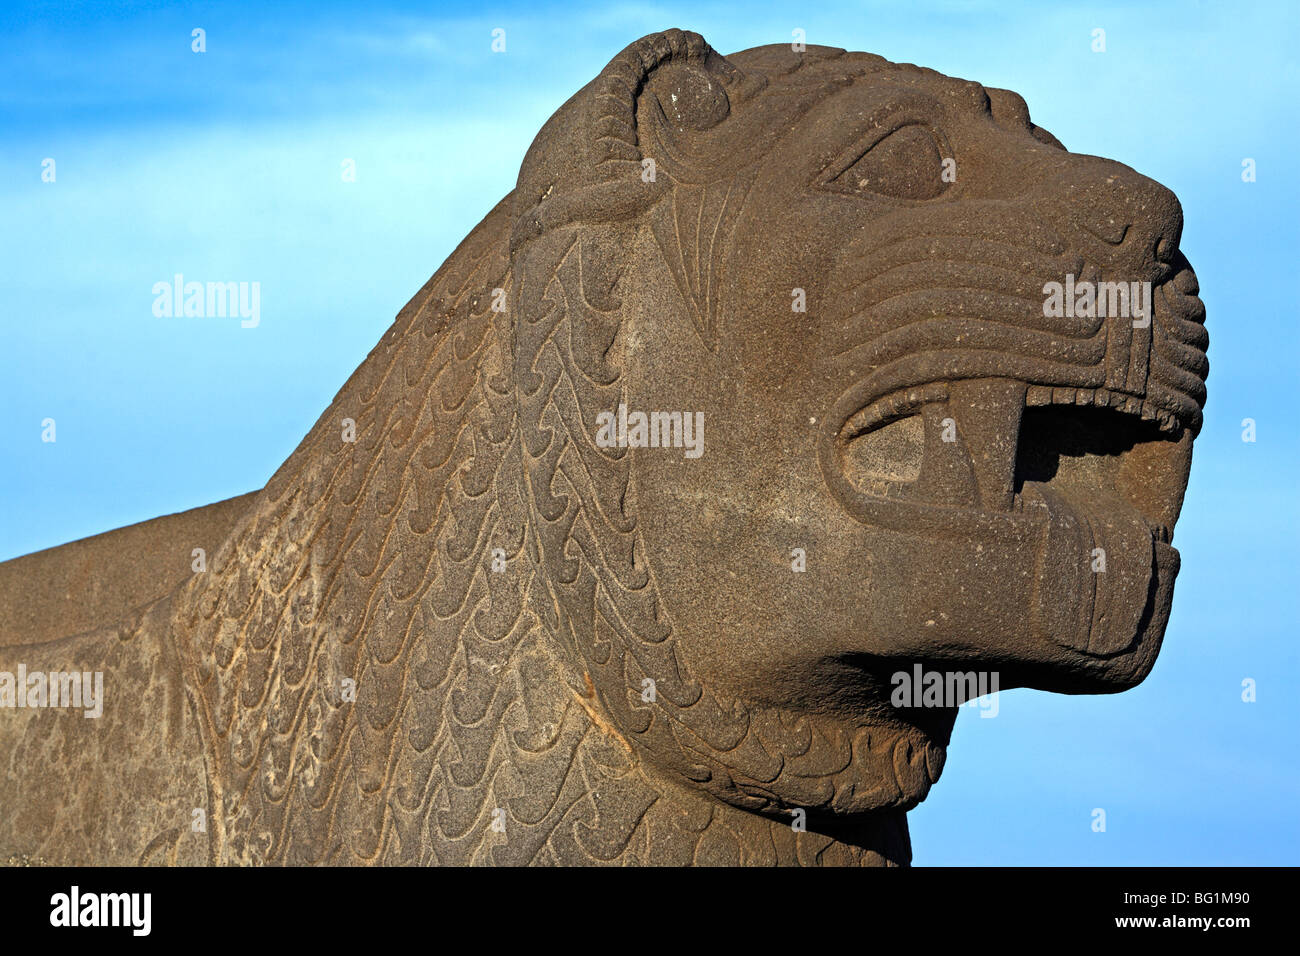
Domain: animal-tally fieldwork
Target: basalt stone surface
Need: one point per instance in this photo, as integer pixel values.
(926, 387)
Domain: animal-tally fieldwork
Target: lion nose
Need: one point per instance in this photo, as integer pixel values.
(1131, 217)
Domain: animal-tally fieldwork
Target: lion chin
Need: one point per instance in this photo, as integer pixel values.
(761, 393)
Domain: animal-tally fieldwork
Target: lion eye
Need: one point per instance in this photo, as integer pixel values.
(905, 164)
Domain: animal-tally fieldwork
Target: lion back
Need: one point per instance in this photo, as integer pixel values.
(341, 651)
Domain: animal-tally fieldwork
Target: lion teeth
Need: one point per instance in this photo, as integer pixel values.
(988, 412)
(1038, 395)
(908, 401)
(896, 405)
(1104, 398)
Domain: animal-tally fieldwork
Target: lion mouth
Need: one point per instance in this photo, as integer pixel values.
(1005, 435)
(1030, 472)
(1090, 479)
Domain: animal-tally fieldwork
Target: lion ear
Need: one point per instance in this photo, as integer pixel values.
(587, 165)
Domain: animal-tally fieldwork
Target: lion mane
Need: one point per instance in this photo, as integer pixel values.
(482, 692)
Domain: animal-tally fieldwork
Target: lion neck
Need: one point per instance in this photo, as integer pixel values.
(611, 805)
(372, 662)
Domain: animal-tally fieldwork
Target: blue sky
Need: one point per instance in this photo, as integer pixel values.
(226, 165)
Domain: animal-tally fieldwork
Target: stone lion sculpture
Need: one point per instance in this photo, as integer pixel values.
(749, 396)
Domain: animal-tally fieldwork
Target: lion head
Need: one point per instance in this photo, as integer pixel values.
(844, 265)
